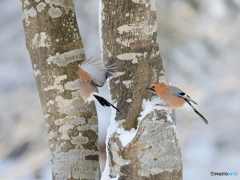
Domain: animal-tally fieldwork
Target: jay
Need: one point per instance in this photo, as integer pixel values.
(174, 97)
(92, 74)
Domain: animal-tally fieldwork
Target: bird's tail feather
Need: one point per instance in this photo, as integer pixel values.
(104, 102)
(203, 118)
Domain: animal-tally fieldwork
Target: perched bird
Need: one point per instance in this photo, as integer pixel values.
(174, 97)
(92, 74)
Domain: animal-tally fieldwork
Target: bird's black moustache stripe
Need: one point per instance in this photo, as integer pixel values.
(150, 89)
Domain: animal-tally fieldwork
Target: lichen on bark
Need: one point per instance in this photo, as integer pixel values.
(56, 50)
(129, 33)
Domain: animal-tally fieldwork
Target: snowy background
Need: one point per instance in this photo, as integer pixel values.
(200, 47)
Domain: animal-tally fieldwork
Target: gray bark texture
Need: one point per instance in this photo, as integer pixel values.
(56, 50)
(129, 33)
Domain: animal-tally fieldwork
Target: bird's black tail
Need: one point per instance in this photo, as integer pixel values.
(203, 118)
(104, 102)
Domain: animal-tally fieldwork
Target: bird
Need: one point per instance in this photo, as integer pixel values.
(93, 74)
(174, 97)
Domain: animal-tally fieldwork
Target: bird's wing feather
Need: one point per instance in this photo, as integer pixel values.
(96, 69)
(111, 68)
(178, 92)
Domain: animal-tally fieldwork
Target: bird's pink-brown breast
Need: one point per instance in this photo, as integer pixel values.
(83, 76)
(86, 85)
(164, 91)
(172, 100)
(87, 89)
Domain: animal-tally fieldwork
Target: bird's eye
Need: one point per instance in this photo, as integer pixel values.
(153, 87)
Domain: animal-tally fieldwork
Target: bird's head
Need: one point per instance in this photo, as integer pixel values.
(157, 87)
(152, 88)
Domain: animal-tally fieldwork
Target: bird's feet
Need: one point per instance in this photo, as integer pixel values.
(164, 105)
(162, 111)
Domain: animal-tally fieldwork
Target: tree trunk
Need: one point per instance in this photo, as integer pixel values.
(56, 49)
(142, 143)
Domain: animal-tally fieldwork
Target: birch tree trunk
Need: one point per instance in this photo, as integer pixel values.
(142, 143)
(56, 49)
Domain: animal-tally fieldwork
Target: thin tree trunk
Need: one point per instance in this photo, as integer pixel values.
(140, 146)
(56, 48)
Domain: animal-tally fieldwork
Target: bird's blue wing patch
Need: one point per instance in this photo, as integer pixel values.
(179, 94)
(183, 95)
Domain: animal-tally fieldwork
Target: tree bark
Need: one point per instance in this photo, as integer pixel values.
(56, 49)
(129, 33)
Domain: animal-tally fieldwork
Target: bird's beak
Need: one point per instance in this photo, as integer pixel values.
(147, 88)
